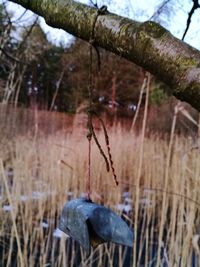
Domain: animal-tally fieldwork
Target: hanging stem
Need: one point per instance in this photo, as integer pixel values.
(88, 184)
(91, 132)
(89, 135)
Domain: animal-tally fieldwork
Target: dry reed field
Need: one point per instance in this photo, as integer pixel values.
(158, 195)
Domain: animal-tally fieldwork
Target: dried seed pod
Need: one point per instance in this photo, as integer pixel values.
(91, 224)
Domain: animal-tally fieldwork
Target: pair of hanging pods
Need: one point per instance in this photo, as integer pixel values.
(91, 224)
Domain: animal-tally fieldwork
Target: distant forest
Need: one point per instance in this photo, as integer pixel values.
(33, 71)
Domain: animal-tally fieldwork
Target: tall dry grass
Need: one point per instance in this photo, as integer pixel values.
(39, 172)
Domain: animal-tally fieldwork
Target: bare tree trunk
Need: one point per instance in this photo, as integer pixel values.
(18, 85)
(9, 89)
(57, 89)
(113, 91)
(13, 84)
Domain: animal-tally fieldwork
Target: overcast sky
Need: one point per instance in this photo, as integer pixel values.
(135, 9)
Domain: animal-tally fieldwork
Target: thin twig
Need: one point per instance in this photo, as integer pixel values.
(190, 14)
(163, 191)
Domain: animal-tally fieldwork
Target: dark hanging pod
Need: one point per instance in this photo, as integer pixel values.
(91, 224)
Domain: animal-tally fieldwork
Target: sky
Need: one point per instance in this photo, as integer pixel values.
(140, 10)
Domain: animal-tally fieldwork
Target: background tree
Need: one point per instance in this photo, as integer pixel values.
(15, 55)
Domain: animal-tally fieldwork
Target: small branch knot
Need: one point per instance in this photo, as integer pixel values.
(89, 136)
(103, 10)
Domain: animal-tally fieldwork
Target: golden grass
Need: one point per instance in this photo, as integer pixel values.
(47, 167)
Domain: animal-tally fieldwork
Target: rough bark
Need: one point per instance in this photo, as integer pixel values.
(147, 44)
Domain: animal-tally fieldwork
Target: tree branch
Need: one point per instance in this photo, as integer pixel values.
(12, 57)
(146, 44)
(190, 14)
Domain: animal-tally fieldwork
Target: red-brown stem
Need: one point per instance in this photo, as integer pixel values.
(88, 182)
